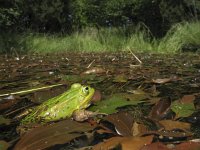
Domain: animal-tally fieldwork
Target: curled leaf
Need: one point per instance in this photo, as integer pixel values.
(138, 129)
(160, 110)
(122, 121)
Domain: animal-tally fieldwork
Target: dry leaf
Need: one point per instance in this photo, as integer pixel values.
(160, 110)
(187, 99)
(155, 146)
(97, 96)
(169, 134)
(122, 121)
(161, 81)
(138, 129)
(188, 146)
(171, 125)
(49, 135)
(120, 78)
(127, 143)
(94, 70)
(9, 101)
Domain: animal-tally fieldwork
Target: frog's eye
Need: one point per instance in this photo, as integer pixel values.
(86, 90)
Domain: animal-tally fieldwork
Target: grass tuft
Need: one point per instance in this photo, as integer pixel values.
(106, 39)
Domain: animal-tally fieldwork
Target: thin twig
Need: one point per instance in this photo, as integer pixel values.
(90, 64)
(135, 57)
(30, 90)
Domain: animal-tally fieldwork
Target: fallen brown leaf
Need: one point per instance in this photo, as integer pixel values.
(138, 129)
(187, 99)
(49, 135)
(161, 81)
(122, 121)
(160, 110)
(9, 101)
(127, 143)
(97, 96)
(188, 146)
(171, 125)
(171, 134)
(155, 146)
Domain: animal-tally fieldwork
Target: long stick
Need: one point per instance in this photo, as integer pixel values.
(31, 90)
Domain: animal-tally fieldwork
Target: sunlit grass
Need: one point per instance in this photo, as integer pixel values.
(108, 39)
(89, 40)
(180, 35)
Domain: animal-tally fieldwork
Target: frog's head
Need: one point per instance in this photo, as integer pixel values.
(85, 92)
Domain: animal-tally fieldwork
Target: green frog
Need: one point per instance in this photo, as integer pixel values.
(78, 97)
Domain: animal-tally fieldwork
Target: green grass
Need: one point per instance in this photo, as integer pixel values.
(180, 35)
(87, 40)
(106, 39)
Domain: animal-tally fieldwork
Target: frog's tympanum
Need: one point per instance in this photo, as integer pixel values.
(78, 97)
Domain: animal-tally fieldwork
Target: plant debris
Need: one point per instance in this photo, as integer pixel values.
(153, 106)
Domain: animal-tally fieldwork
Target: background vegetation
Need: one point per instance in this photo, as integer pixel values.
(96, 25)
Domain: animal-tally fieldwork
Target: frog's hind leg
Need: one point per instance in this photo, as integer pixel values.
(23, 114)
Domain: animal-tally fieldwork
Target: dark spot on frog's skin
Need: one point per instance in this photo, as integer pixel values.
(56, 102)
(66, 108)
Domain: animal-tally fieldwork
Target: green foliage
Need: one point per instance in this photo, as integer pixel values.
(110, 105)
(89, 39)
(180, 10)
(78, 13)
(43, 15)
(104, 39)
(179, 36)
(9, 14)
(63, 16)
(182, 109)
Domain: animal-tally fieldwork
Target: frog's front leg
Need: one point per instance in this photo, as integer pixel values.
(82, 114)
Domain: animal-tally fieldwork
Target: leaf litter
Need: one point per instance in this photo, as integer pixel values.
(163, 90)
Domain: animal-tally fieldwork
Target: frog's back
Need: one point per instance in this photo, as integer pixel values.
(63, 104)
